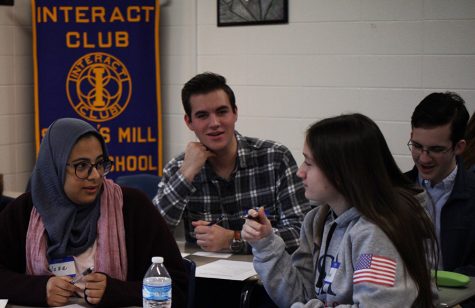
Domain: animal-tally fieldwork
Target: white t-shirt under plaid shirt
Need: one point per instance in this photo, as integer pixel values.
(265, 175)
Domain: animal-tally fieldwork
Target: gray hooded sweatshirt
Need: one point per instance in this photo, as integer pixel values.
(358, 266)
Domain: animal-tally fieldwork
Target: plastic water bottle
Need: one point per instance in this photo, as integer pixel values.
(157, 286)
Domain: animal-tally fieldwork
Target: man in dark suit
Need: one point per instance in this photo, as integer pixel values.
(437, 139)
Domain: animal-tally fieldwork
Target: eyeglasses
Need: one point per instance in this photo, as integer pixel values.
(83, 169)
(433, 151)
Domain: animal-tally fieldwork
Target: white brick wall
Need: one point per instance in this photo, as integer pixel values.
(16, 95)
(377, 57)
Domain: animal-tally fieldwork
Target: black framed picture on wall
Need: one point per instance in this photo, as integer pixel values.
(252, 12)
(6, 2)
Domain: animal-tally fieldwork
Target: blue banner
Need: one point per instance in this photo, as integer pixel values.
(98, 60)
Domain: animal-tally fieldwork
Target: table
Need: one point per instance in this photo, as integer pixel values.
(200, 260)
(75, 302)
(450, 297)
(210, 292)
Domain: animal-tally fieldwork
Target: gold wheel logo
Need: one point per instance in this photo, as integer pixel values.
(99, 87)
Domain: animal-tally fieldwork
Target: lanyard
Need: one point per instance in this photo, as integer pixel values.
(321, 271)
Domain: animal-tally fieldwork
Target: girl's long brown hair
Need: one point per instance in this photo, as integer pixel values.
(353, 154)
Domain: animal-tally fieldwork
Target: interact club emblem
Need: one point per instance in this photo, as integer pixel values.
(98, 87)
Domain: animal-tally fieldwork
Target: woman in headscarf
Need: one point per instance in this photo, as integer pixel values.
(73, 219)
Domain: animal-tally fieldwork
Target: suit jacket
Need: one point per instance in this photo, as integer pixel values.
(457, 223)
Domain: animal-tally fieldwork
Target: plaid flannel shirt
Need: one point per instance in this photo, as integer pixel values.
(265, 175)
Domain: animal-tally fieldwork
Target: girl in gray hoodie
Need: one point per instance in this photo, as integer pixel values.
(367, 244)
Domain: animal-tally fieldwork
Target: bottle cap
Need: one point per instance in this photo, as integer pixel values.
(157, 259)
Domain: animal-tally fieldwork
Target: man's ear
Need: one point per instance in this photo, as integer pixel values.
(187, 120)
(460, 146)
(236, 113)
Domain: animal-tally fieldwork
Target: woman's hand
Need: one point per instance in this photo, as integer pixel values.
(95, 287)
(59, 289)
(257, 227)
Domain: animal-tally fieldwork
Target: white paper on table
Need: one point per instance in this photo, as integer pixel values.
(3, 303)
(220, 255)
(184, 254)
(226, 269)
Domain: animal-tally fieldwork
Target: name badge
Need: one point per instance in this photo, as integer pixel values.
(329, 278)
(62, 267)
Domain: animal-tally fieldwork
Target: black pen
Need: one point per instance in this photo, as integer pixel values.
(80, 276)
(216, 222)
(247, 216)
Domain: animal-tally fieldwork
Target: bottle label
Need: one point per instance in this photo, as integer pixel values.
(157, 293)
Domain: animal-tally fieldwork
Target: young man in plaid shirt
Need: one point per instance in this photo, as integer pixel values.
(224, 174)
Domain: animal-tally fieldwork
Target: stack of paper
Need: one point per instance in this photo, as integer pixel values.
(226, 269)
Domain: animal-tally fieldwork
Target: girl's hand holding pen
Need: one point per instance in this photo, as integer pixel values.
(257, 226)
(253, 215)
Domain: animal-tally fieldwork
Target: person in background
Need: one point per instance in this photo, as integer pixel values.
(469, 153)
(224, 174)
(73, 219)
(353, 250)
(437, 139)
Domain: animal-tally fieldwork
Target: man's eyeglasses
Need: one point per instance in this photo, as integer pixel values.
(432, 151)
(83, 169)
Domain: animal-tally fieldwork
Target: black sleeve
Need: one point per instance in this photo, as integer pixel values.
(14, 220)
(147, 235)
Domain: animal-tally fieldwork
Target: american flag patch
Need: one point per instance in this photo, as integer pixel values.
(375, 269)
